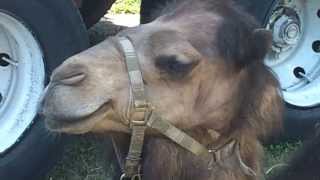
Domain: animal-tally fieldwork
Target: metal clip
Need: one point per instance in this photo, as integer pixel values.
(10, 61)
(305, 77)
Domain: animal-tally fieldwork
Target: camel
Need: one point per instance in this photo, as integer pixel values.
(201, 64)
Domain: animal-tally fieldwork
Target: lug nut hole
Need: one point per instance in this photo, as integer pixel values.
(299, 72)
(316, 46)
(1, 98)
(318, 13)
(2, 61)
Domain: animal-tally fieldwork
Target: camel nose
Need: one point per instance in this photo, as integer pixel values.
(73, 79)
(69, 75)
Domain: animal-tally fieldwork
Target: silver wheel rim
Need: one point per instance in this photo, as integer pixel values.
(22, 79)
(295, 58)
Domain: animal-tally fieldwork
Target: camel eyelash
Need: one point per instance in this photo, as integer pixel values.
(172, 66)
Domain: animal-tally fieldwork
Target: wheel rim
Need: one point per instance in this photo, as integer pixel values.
(295, 56)
(22, 79)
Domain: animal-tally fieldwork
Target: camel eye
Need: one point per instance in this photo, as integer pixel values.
(174, 67)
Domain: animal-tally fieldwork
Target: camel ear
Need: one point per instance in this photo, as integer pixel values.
(242, 45)
(260, 44)
(255, 47)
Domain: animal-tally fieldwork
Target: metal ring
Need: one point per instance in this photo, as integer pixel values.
(123, 176)
(135, 177)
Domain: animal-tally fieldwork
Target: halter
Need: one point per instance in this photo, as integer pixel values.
(144, 116)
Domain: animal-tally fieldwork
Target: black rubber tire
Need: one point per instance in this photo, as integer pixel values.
(260, 9)
(301, 123)
(298, 123)
(148, 8)
(93, 10)
(58, 27)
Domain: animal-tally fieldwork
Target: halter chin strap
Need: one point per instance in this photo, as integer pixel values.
(143, 116)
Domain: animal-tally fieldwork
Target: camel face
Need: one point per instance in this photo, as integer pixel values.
(196, 69)
(90, 91)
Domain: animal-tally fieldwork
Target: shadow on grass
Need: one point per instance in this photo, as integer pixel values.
(85, 158)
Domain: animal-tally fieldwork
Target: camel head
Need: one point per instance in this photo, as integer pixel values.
(202, 67)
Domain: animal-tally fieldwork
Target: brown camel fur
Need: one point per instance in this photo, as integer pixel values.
(202, 65)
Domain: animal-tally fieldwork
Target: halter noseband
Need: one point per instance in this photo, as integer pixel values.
(145, 116)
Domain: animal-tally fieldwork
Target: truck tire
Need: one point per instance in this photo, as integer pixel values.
(93, 10)
(294, 59)
(261, 10)
(35, 37)
(297, 62)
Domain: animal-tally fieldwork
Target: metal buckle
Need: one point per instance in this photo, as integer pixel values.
(145, 108)
(138, 123)
(141, 106)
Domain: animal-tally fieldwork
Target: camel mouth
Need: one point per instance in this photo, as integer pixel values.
(79, 125)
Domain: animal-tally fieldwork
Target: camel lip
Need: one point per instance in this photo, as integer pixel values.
(74, 127)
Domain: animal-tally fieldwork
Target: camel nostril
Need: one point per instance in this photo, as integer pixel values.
(70, 74)
(73, 79)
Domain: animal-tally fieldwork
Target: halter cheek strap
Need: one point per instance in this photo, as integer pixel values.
(144, 115)
(141, 112)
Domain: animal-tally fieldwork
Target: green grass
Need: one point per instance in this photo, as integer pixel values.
(126, 7)
(86, 158)
(280, 153)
